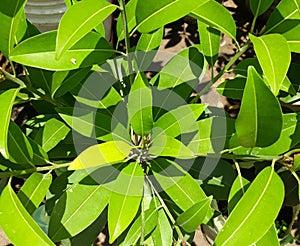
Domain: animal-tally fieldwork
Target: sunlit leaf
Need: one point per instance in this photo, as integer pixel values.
(256, 125)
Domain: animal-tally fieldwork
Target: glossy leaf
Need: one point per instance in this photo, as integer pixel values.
(178, 184)
(94, 123)
(13, 20)
(232, 88)
(64, 81)
(131, 21)
(256, 125)
(270, 238)
(134, 233)
(34, 190)
(54, 131)
(194, 216)
(26, 231)
(71, 30)
(214, 176)
(89, 235)
(210, 42)
(287, 140)
(153, 15)
(125, 198)
(258, 7)
(274, 57)
(19, 148)
(140, 106)
(178, 121)
(162, 234)
(39, 51)
(212, 136)
(285, 19)
(148, 42)
(186, 67)
(7, 99)
(238, 189)
(101, 154)
(168, 146)
(76, 209)
(209, 12)
(263, 197)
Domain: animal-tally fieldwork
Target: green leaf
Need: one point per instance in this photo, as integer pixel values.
(179, 120)
(39, 51)
(65, 81)
(285, 19)
(270, 238)
(274, 57)
(194, 216)
(134, 233)
(7, 99)
(287, 140)
(54, 131)
(40, 78)
(125, 198)
(258, 7)
(214, 176)
(209, 12)
(238, 189)
(263, 197)
(34, 190)
(186, 67)
(25, 231)
(162, 234)
(210, 42)
(71, 30)
(76, 209)
(153, 15)
(178, 184)
(232, 88)
(13, 24)
(89, 235)
(212, 136)
(256, 125)
(148, 42)
(168, 146)
(19, 148)
(140, 106)
(131, 21)
(104, 153)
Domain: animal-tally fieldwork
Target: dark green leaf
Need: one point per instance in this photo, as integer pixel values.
(256, 125)
(258, 7)
(39, 51)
